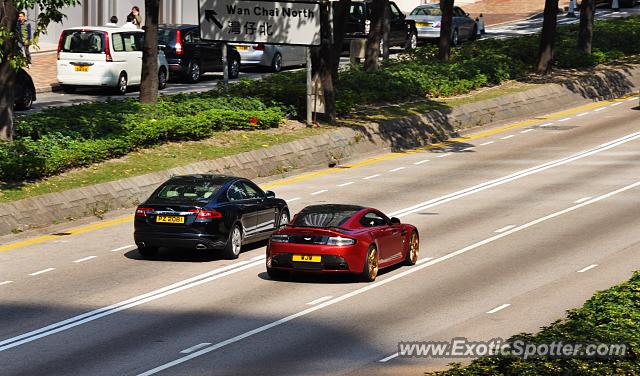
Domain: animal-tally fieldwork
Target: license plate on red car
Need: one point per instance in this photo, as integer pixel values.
(306, 258)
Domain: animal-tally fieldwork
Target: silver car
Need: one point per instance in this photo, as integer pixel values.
(428, 19)
(273, 56)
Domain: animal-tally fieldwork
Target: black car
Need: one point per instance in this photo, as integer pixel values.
(207, 212)
(402, 32)
(189, 56)
(24, 92)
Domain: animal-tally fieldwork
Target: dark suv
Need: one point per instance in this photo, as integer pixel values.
(402, 32)
(189, 56)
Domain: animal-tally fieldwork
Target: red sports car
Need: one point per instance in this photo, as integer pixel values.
(341, 239)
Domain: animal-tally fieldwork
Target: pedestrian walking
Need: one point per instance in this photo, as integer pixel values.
(113, 21)
(134, 17)
(25, 36)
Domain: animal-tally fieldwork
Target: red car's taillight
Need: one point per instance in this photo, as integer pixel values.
(107, 50)
(60, 45)
(179, 50)
(205, 214)
(259, 47)
(143, 212)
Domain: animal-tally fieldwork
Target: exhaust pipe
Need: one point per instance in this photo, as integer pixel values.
(201, 246)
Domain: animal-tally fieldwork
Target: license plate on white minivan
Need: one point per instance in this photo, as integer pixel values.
(82, 68)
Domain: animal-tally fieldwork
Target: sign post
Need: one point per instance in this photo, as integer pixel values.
(293, 23)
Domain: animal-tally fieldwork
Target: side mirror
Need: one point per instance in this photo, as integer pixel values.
(270, 194)
(395, 221)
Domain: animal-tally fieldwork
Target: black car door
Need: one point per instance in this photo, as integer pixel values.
(267, 212)
(246, 207)
(398, 29)
(211, 53)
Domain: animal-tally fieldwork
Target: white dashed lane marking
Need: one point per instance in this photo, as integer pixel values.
(42, 271)
(345, 184)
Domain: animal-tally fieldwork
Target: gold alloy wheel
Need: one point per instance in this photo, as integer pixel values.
(372, 264)
(414, 248)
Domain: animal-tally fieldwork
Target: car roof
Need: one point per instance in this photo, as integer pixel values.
(333, 207)
(214, 178)
(423, 6)
(105, 28)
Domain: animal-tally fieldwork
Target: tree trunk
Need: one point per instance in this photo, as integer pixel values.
(548, 37)
(321, 60)
(372, 49)
(149, 84)
(7, 73)
(386, 30)
(446, 30)
(585, 36)
(340, 14)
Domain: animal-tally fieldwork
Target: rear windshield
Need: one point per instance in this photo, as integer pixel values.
(83, 41)
(166, 37)
(323, 218)
(426, 12)
(188, 192)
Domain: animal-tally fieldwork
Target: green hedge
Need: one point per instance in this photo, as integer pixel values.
(610, 316)
(61, 138)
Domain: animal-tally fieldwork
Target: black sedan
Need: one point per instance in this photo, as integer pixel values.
(207, 212)
(24, 91)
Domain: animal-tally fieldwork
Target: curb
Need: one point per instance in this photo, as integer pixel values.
(338, 146)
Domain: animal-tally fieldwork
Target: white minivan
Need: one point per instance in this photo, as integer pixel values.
(104, 56)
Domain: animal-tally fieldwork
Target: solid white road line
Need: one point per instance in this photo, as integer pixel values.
(599, 109)
(122, 248)
(320, 191)
(126, 304)
(261, 257)
(371, 177)
(469, 148)
(422, 261)
(443, 155)
(515, 176)
(84, 259)
(616, 104)
(527, 130)
(499, 308)
(545, 125)
(507, 137)
(194, 348)
(384, 360)
(5, 283)
(631, 99)
(421, 162)
(380, 283)
(397, 169)
(582, 200)
(320, 300)
(563, 120)
(345, 184)
(293, 199)
(505, 228)
(587, 268)
(583, 114)
(42, 271)
(487, 143)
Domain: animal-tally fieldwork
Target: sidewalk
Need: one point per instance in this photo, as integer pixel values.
(43, 70)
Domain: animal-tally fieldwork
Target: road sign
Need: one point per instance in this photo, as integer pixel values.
(255, 21)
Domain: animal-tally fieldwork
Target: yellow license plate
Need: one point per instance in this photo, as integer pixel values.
(422, 24)
(307, 258)
(82, 68)
(169, 219)
(243, 48)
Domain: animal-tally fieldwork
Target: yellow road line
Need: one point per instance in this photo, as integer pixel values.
(365, 162)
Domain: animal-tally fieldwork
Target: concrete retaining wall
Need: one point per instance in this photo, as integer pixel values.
(335, 146)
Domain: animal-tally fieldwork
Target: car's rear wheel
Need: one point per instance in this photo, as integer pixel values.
(234, 68)
(412, 41)
(162, 78)
(276, 62)
(413, 249)
(122, 85)
(148, 251)
(370, 268)
(234, 243)
(194, 73)
(455, 38)
(284, 218)
(26, 100)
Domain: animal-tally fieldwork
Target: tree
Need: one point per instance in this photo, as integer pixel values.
(585, 36)
(446, 30)
(548, 37)
(340, 14)
(149, 83)
(11, 59)
(379, 17)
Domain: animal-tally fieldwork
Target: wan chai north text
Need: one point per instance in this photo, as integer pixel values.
(271, 12)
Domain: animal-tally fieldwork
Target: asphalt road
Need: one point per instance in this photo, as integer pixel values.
(517, 224)
(211, 80)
